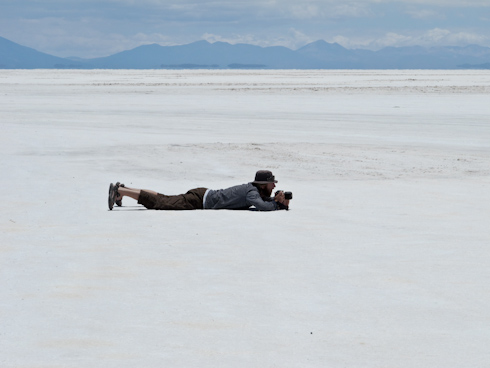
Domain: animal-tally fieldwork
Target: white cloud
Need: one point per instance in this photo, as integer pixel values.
(305, 11)
(297, 39)
(425, 14)
(293, 39)
(393, 39)
(233, 39)
(318, 9)
(282, 3)
(355, 10)
(432, 37)
(440, 37)
(465, 38)
(272, 9)
(441, 3)
(371, 42)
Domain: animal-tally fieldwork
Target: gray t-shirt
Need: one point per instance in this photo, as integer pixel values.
(238, 197)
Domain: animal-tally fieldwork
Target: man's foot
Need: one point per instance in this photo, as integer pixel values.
(112, 195)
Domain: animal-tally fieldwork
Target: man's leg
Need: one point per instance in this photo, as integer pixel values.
(118, 191)
(191, 200)
(132, 193)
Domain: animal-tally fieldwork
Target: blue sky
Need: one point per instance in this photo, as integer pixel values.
(92, 28)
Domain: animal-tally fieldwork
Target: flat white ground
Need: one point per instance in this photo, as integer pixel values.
(382, 261)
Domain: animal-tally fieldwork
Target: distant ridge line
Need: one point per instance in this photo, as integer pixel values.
(221, 55)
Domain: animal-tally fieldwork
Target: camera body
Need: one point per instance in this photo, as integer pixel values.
(287, 195)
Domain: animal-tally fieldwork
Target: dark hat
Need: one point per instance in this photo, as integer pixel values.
(264, 177)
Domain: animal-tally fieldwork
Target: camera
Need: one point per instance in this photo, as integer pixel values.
(287, 195)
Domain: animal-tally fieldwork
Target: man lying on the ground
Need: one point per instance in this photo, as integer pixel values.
(254, 194)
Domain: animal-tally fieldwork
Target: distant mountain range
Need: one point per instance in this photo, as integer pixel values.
(222, 55)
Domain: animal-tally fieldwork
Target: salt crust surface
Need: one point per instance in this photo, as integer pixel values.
(382, 260)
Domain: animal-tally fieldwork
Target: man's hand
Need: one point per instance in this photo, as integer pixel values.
(279, 197)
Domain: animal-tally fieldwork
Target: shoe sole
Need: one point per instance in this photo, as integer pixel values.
(111, 197)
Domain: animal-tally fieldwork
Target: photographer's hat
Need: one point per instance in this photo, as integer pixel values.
(264, 177)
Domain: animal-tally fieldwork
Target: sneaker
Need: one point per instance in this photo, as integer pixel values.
(116, 187)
